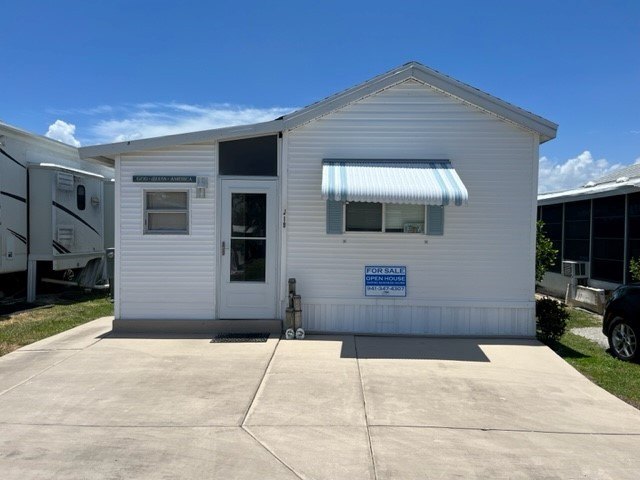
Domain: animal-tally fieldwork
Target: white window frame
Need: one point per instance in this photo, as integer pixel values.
(146, 211)
(384, 226)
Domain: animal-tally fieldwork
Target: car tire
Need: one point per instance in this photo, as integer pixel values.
(624, 340)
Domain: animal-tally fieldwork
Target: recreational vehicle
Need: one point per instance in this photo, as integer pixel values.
(54, 207)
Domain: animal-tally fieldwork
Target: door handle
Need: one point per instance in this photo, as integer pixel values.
(224, 247)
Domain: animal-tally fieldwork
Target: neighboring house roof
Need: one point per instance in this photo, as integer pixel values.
(412, 70)
(619, 182)
(632, 171)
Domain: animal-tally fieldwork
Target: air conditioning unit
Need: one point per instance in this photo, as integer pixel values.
(578, 272)
(575, 269)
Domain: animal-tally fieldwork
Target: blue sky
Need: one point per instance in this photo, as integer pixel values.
(132, 69)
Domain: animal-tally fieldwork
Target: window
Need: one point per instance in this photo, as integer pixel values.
(607, 246)
(364, 217)
(249, 156)
(248, 237)
(388, 217)
(551, 215)
(166, 212)
(81, 197)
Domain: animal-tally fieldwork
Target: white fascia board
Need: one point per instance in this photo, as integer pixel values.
(109, 150)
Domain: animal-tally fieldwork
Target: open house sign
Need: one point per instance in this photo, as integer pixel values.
(385, 281)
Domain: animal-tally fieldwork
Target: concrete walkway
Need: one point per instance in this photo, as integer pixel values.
(86, 404)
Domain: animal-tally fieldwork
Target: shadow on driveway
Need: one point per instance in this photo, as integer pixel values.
(378, 347)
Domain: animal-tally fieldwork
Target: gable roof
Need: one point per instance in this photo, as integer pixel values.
(412, 70)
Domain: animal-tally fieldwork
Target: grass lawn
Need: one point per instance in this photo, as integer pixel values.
(619, 378)
(22, 328)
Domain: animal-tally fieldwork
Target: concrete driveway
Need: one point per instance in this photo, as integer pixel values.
(86, 404)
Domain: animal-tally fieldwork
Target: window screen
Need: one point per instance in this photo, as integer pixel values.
(577, 228)
(250, 156)
(607, 246)
(633, 212)
(404, 218)
(166, 213)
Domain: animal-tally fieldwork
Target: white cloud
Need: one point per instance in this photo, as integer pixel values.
(63, 132)
(99, 110)
(573, 173)
(156, 119)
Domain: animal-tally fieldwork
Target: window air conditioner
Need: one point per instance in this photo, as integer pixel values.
(574, 269)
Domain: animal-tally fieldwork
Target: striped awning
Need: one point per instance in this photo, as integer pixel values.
(426, 182)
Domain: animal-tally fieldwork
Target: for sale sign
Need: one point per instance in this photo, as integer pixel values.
(385, 281)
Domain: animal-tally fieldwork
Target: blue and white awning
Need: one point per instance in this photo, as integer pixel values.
(426, 182)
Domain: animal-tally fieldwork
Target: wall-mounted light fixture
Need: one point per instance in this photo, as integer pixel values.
(202, 183)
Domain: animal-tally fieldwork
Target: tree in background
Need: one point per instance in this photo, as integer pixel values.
(545, 253)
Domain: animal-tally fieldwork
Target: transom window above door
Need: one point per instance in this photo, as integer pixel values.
(257, 156)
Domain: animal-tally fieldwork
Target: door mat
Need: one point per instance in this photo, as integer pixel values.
(240, 338)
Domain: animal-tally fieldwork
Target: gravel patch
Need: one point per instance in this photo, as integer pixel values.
(594, 334)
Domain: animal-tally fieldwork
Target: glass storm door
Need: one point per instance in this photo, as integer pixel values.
(248, 249)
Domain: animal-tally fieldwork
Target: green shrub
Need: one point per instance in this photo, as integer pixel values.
(551, 319)
(634, 268)
(545, 253)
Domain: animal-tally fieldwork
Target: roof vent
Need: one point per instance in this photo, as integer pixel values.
(589, 184)
(622, 179)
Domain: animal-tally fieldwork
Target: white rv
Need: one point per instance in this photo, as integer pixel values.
(54, 207)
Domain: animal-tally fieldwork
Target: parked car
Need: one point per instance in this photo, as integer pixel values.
(621, 322)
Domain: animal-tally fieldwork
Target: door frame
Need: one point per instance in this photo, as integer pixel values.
(255, 181)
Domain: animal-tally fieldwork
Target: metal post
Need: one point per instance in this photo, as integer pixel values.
(32, 269)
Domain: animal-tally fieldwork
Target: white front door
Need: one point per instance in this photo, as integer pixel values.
(248, 249)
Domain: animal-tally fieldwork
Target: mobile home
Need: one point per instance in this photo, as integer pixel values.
(403, 205)
(54, 207)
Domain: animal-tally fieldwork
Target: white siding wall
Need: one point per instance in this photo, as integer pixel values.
(476, 279)
(167, 276)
